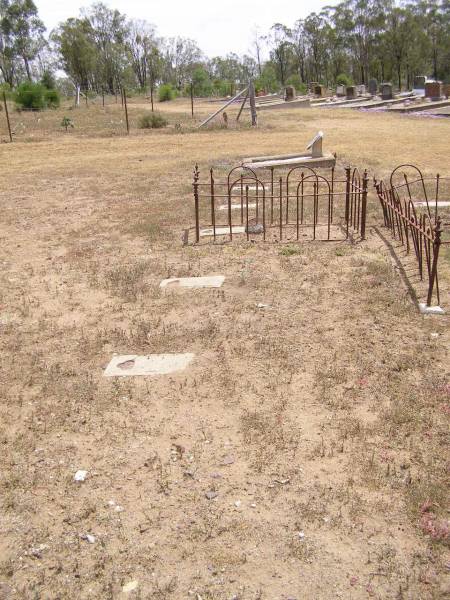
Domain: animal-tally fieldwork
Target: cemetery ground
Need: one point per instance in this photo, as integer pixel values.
(302, 454)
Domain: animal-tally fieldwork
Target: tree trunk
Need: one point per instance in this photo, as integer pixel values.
(27, 67)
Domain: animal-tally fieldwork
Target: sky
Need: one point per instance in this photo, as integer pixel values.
(217, 26)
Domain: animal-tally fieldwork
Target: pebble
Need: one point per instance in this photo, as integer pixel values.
(80, 475)
(130, 586)
(237, 503)
(88, 537)
(228, 460)
(211, 494)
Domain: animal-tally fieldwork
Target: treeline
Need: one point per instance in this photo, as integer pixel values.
(102, 50)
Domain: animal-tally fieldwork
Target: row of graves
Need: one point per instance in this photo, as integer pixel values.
(427, 95)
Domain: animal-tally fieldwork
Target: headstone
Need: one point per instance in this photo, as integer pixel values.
(373, 87)
(419, 82)
(433, 90)
(312, 86)
(319, 90)
(361, 89)
(446, 90)
(222, 230)
(351, 92)
(315, 145)
(289, 93)
(386, 91)
(340, 90)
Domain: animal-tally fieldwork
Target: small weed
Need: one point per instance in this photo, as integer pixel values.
(290, 251)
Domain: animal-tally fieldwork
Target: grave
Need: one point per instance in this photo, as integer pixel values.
(351, 92)
(289, 93)
(361, 90)
(373, 87)
(386, 91)
(130, 365)
(211, 281)
(419, 82)
(340, 91)
(433, 90)
(314, 158)
(222, 230)
(446, 90)
(320, 91)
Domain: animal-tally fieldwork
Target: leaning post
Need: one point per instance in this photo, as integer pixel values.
(196, 203)
(192, 99)
(124, 98)
(251, 93)
(364, 205)
(7, 116)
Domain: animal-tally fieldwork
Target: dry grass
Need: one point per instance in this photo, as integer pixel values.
(324, 414)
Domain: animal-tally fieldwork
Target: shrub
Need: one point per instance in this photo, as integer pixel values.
(166, 92)
(67, 122)
(343, 79)
(48, 80)
(152, 121)
(52, 98)
(30, 95)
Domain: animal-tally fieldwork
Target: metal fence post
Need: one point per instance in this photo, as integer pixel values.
(364, 205)
(433, 274)
(196, 202)
(347, 196)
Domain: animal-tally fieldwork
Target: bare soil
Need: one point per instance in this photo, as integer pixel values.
(304, 454)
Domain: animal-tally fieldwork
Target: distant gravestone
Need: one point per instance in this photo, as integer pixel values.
(373, 87)
(433, 90)
(361, 89)
(319, 90)
(312, 86)
(386, 91)
(419, 82)
(351, 92)
(340, 90)
(289, 93)
(446, 90)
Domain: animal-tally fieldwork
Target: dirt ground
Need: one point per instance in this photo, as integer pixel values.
(304, 452)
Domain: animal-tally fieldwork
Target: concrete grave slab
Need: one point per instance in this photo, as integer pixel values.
(431, 204)
(431, 310)
(211, 281)
(222, 230)
(236, 206)
(130, 365)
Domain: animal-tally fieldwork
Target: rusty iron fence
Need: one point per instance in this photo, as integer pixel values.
(300, 204)
(415, 216)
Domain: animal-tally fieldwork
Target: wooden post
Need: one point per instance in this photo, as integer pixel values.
(151, 93)
(121, 95)
(192, 99)
(222, 108)
(124, 102)
(242, 107)
(7, 116)
(86, 96)
(103, 97)
(251, 93)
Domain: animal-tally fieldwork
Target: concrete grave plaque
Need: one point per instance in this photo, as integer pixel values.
(130, 365)
(211, 281)
(351, 92)
(315, 145)
(340, 90)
